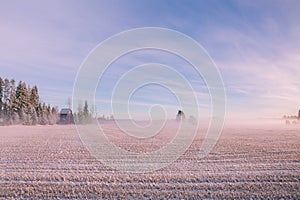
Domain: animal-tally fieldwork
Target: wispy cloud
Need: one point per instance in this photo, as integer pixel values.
(256, 47)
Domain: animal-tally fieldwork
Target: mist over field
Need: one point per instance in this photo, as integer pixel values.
(160, 99)
(248, 161)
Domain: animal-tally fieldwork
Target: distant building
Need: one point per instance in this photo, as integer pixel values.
(66, 116)
(299, 114)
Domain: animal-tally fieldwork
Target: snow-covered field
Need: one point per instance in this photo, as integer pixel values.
(247, 162)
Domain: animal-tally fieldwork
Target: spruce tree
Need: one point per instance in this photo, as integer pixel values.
(1, 96)
(21, 104)
(33, 116)
(12, 106)
(28, 106)
(22, 114)
(86, 114)
(79, 116)
(34, 97)
(21, 99)
(39, 113)
(43, 118)
(17, 103)
(6, 101)
(49, 116)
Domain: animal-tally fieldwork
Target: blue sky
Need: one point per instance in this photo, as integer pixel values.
(256, 46)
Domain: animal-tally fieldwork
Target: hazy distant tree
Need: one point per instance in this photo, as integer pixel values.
(86, 113)
(83, 115)
(49, 115)
(180, 115)
(79, 115)
(93, 113)
(112, 117)
(85, 109)
(33, 117)
(27, 115)
(39, 111)
(54, 114)
(43, 115)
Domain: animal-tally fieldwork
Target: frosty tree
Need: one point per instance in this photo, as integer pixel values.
(1, 96)
(21, 105)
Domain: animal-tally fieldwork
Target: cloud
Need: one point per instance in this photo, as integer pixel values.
(258, 58)
(256, 47)
(45, 43)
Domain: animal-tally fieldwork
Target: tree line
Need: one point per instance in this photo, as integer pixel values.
(83, 114)
(20, 104)
(86, 115)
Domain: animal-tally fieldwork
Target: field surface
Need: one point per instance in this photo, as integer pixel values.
(50, 162)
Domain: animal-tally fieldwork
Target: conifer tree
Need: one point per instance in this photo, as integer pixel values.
(28, 106)
(79, 115)
(1, 96)
(33, 117)
(12, 106)
(21, 104)
(34, 97)
(43, 118)
(21, 98)
(6, 101)
(49, 116)
(86, 113)
(23, 115)
(39, 113)
(27, 116)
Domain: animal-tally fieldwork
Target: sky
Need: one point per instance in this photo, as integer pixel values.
(255, 46)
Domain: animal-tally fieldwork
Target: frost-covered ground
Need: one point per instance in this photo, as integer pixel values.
(249, 161)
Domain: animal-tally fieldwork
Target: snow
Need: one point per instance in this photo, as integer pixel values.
(257, 160)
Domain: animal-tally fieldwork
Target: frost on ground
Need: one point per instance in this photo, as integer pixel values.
(247, 162)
